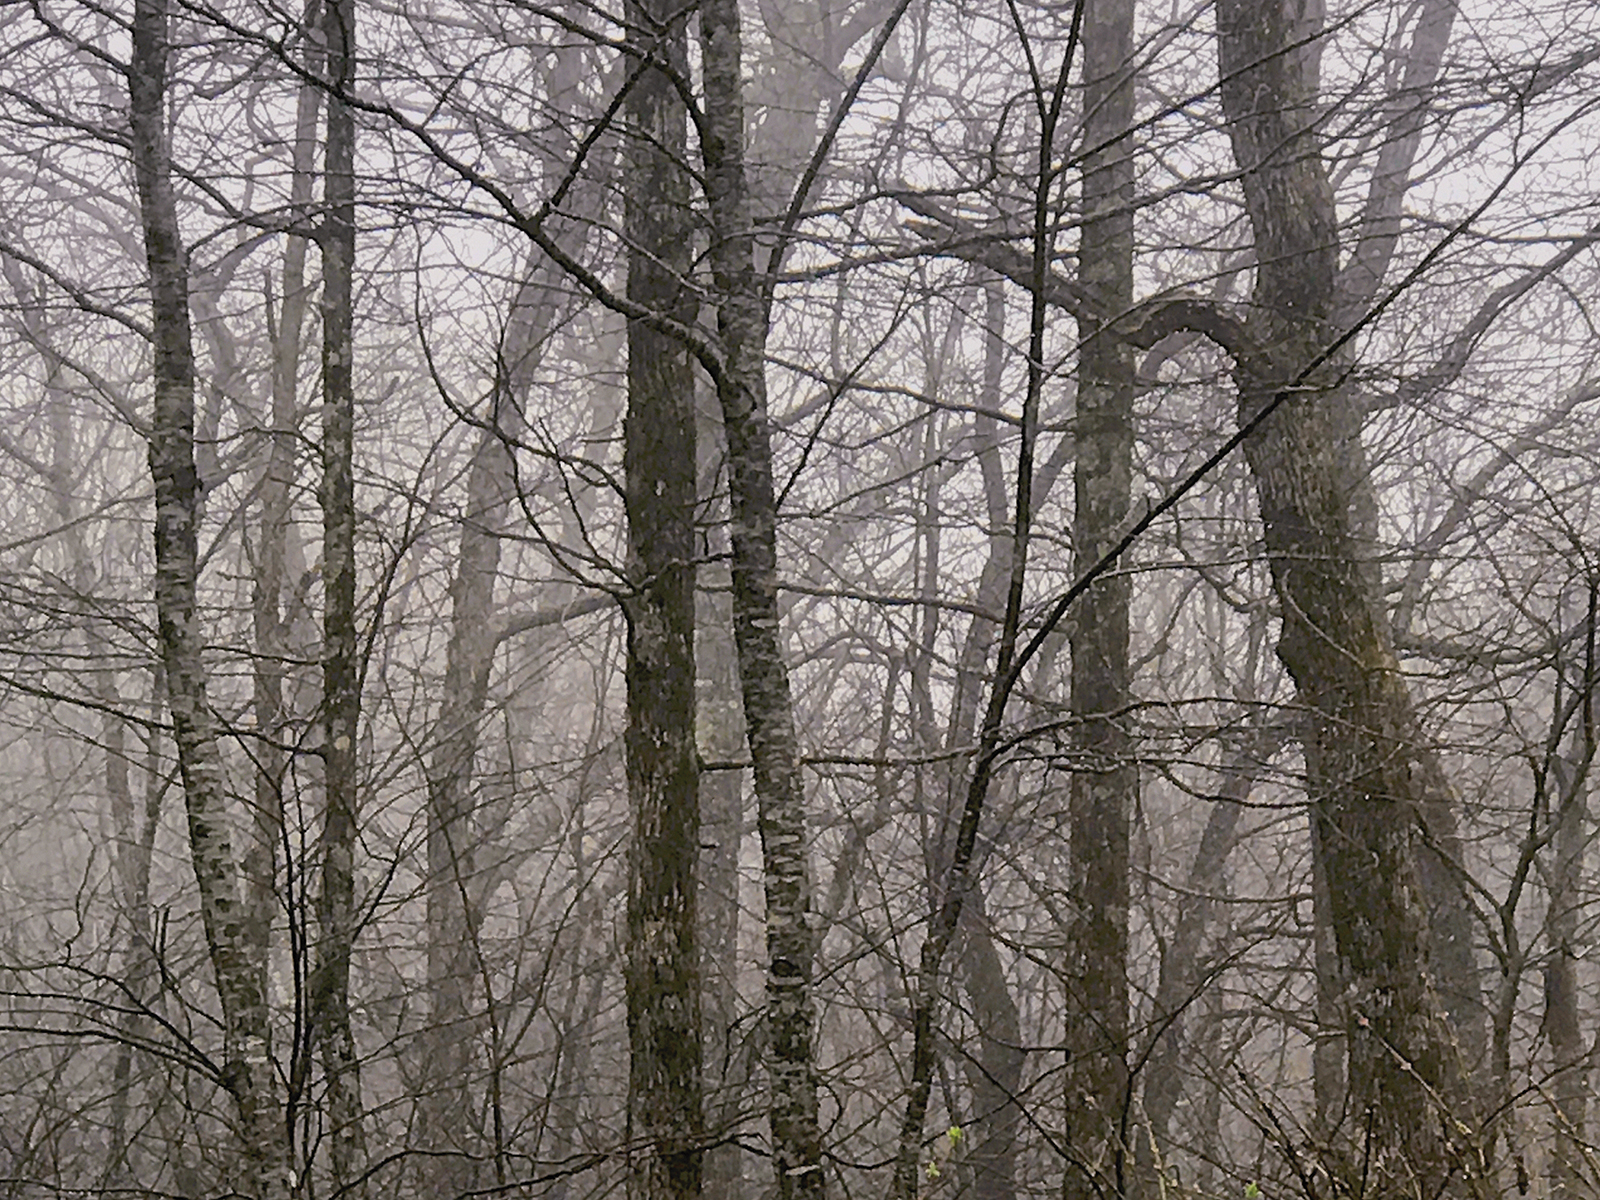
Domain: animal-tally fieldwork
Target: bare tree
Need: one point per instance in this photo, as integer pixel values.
(264, 1167)
(337, 911)
(663, 967)
(1105, 782)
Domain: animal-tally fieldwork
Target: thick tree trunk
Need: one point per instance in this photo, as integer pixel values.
(264, 1167)
(341, 665)
(663, 967)
(1105, 780)
(764, 676)
(1413, 1116)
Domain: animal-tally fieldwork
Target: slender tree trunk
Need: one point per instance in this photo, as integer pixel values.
(1105, 780)
(996, 1078)
(132, 850)
(452, 828)
(663, 960)
(135, 851)
(722, 739)
(264, 1167)
(959, 880)
(278, 606)
(341, 664)
(1569, 1058)
(764, 677)
(1328, 1077)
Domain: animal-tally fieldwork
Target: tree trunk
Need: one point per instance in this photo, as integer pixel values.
(764, 676)
(264, 1167)
(341, 664)
(1409, 1094)
(132, 836)
(1569, 1058)
(996, 1074)
(1105, 780)
(277, 557)
(663, 965)
(1328, 1081)
(722, 739)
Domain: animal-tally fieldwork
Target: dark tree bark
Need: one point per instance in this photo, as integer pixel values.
(341, 663)
(264, 1166)
(1408, 1087)
(663, 967)
(763, 674)
(1105, 779)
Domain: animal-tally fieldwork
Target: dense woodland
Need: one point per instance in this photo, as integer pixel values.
(902, 598)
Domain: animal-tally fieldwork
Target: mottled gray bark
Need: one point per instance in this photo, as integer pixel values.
(264, 1163)
(763, 673)
(663, 958)
(722, 740)
(1418, 59)
(1328, 1081)
(1105, 778)
(337, 915)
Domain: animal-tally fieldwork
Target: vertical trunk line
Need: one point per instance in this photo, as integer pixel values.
(341, 673)
(1412, 1115)
(764, 677)
(663, 985)
(264, 1167)
(1105, 779)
